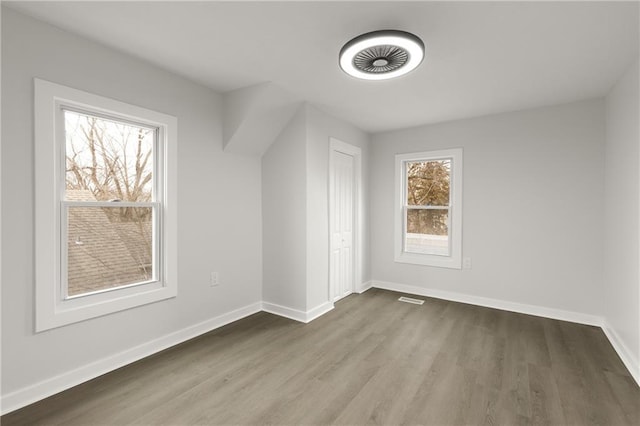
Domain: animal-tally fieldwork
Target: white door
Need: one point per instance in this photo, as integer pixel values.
(341, 195)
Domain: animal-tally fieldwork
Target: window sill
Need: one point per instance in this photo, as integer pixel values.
(429, 260)
(92, 306)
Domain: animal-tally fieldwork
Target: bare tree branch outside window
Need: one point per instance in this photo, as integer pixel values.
(428, 185)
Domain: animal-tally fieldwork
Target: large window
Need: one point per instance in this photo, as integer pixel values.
(105, 229)
(110, 208)
(428, 208)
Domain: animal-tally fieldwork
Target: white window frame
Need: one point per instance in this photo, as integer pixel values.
(454, 259)
(53, 308)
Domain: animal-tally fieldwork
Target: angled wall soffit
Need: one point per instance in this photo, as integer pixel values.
(254, 116)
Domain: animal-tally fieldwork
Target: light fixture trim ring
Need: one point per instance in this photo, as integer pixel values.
(408, 42)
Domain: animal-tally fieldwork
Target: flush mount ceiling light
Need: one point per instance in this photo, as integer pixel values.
(380, 55)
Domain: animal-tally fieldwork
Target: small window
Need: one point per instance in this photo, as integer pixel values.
(428, 212)
(104, 172)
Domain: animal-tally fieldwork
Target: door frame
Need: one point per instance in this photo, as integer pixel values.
(336, 145)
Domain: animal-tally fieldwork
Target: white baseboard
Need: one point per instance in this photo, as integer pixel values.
(504, 305)
(295, 314)
(318, 311)
(30, 394)
(363, 287)
(628, 359)
(283, 311)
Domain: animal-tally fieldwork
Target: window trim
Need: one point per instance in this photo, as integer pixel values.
(51, 309)
(454, 260)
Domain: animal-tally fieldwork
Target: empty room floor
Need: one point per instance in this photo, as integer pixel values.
(372, 360)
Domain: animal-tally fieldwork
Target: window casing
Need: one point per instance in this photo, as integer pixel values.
(428, 212)
(100, 247)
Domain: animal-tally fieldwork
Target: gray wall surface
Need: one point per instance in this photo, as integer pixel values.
(532, 206)
(621, 291)
(295, 182)
(550, 206)
(219, 212)
(284, 221)
(320, 128)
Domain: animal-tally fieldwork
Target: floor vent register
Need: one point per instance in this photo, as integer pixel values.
(411, 300)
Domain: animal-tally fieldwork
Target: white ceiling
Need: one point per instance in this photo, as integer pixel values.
(482, 57)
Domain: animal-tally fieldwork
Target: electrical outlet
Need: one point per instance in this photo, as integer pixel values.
(214, 281)
(466, 263)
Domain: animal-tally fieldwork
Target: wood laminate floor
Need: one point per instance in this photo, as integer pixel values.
(372, 360)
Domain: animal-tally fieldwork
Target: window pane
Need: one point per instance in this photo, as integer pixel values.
(427, 232)
(107, 160)
(428, 182)
(108, 247)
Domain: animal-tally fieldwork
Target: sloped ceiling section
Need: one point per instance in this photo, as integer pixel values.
(254, 116)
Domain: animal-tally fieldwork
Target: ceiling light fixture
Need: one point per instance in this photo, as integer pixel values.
(380, 55)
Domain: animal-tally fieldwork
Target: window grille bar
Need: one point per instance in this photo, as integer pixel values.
(149, 204)
(427, 207)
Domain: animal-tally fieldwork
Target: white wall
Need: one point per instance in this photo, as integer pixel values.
(532, 206)
(219, 208)
(320, 127)
(532, 221)
(621, 291)
(0, 204)
(295, 182)
(284, 219)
